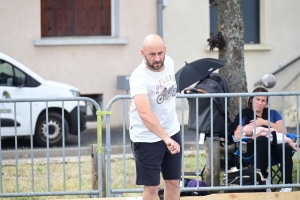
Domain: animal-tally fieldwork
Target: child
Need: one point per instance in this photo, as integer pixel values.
(280, 136)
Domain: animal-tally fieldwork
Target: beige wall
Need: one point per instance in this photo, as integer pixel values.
(291, 111)
(186, 27)
(281, 32)
(91, 68)
(94, 68)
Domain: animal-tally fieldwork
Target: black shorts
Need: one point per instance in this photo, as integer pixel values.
(153, 158)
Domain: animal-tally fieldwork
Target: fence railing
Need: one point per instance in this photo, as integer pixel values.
(48, 176)
(198, 149)
(30, 185)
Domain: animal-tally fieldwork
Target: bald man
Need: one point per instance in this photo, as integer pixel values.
(154, 126)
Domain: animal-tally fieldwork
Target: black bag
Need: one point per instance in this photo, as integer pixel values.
(234, 179)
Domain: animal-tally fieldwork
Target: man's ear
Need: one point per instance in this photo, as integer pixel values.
(143, 52)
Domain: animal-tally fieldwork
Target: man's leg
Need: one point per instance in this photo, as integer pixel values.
(171, 171)
(172, 190)
(150, 193)
(148, 158)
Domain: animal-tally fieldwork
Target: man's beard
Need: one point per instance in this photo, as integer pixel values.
(155, 62)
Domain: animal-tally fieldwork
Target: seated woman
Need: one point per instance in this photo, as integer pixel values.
(261, 139)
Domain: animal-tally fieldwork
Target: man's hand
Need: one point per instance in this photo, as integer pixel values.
(173, 146)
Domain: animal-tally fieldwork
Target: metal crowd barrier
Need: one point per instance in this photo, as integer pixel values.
(119, 191)
(23, 187)
(182, 105)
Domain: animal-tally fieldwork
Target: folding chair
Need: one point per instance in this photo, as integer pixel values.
(275, 165)
(276, 174)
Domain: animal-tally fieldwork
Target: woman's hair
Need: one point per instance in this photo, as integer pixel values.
(259, 89)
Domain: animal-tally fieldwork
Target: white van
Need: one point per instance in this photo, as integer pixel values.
(17, 81)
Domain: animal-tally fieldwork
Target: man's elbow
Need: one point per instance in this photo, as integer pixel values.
(144, 115)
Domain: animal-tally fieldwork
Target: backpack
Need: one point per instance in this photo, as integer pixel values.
(248, 175)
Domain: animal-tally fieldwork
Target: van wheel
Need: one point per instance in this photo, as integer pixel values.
(54, 128)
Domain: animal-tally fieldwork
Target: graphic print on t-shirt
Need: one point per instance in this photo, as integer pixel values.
(165, 89)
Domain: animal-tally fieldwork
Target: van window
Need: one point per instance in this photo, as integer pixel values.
(6, 74)
(9, 74)
(20, 74)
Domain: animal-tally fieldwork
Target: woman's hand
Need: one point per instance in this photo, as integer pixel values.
(259, 122)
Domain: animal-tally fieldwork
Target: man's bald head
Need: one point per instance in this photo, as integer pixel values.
(153, 40)
(154, 51)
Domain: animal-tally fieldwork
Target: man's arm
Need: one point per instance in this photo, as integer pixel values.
(151, 122)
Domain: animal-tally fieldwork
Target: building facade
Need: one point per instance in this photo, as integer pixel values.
(92, 60)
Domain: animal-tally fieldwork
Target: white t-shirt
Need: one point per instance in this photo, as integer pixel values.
(161, 89)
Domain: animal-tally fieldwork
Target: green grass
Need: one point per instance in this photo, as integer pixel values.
(72, 174)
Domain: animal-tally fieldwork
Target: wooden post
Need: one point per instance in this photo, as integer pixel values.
(95, 170)
(216, 162)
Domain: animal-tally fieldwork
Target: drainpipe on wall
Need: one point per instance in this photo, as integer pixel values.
(160, 7)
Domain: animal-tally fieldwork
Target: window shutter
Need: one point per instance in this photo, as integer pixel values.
(93, 17)
(106, 18)
(45, 26)
(75, 17)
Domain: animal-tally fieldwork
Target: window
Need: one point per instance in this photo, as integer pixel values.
(75, 18)
(6, 74)
(251, 21)
(11, 76)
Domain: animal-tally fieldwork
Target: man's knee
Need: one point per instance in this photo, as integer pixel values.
(174, 184)
(151, 189)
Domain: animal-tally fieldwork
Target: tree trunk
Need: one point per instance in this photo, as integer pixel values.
(231, 26)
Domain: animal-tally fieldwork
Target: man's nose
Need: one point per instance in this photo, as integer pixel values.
(157, 58)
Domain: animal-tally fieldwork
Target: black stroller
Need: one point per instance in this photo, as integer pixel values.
(214, 83)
